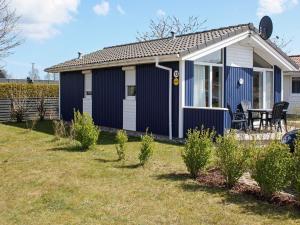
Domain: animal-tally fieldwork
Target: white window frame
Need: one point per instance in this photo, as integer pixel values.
(264, 71)
(211, 65)
(291, 87)
(132, 70)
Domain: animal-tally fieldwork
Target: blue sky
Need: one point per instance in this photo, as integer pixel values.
(54, 31)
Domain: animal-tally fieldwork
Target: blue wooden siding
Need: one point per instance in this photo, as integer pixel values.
(189, 83)
(152, 99)
(71, 93)
(234, 93)
(207, 118)
(277, 84)
(108, 94)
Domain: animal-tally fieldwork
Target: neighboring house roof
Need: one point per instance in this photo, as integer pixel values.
(296, 59)
(182, 45)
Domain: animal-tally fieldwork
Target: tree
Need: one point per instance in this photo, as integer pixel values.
(8, 34)
(3, 73)
(283, 43)
(163, 26)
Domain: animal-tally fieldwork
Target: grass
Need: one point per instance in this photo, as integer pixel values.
(44, 181)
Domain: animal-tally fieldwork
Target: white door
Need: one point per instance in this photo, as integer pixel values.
(87, 100)
(129, 103)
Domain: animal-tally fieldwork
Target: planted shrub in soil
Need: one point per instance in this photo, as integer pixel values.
(121, 138)
(147, 146)
(197, 150)
(85, 130)
(232, 158)
(272, 169)
(296, 167)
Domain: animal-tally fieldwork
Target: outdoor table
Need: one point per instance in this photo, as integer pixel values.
(262, 112)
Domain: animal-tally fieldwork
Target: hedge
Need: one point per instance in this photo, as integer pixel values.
(28, 90)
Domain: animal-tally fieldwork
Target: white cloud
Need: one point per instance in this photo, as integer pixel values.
(39, 19)
(120, 10)
(102, 8)
(160, 13)
(269, 7)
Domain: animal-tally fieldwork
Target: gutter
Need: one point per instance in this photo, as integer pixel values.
(170, 94)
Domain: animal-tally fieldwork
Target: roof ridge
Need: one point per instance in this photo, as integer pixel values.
(182, 35)
(294, 55)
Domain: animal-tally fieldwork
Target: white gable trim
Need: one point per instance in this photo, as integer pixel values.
(230, 41)
(264, 45)
(217, 46)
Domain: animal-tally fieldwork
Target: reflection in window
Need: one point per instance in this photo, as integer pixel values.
(215, 57)
(216, 86)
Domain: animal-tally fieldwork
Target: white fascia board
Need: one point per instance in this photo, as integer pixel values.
(126, 68)
(128, 62)
(215, 47)
(265, 46)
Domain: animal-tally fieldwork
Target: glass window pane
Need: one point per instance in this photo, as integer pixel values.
(269, 90)
(201, 81)
(131, 90)
(215, 57)
(296, 85)
(217, 87)
(257, 90)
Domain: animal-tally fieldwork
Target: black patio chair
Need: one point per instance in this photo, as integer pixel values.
(284, 114)
(238, 119)
(274, 119)
(244, 106)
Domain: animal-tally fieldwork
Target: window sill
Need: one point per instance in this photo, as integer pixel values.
(207, 108)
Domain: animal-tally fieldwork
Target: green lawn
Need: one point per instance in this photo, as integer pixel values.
(44, 181)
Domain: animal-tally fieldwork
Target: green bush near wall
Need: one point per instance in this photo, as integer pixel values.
(28, 90)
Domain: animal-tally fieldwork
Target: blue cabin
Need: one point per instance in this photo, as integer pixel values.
(173, 84)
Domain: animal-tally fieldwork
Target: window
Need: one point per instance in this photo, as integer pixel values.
(131, 91)
(207, 86)
(295, 85)
(215, 57)
(130, 83)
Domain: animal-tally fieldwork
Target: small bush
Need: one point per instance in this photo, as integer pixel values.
(59, 129)
(121, 138)
(197, 150)
(84, 129)
(273, 167)
(31, 124)
(296, 166)
(147, 146)
(232, 158)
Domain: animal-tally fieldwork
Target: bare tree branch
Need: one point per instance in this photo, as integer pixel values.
(8, 34)
(283, 43)
(162, 27)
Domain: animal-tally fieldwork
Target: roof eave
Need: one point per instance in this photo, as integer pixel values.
(127, 62)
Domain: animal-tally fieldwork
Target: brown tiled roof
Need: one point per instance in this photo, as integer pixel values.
(296, 59)
(183, 44)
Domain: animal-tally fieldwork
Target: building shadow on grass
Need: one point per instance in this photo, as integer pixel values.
(107, 138)
(41, 126)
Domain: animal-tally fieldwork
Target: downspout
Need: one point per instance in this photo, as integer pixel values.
(170, 93)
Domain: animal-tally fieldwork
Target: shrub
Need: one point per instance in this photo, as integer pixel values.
(296, 166)
(147, 146)
(197, 150)
(59, 129)
(121, 138)
(232, 158)
(84, 129)
(31, 90)
(272, 168)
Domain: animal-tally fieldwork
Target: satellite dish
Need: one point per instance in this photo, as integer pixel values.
(265, 27)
